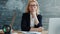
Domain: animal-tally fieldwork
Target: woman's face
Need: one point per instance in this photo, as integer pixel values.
(32, 7)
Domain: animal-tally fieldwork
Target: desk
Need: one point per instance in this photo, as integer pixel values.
(15, 32)
(43, 32)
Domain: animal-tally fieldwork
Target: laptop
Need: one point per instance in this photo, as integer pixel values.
(54, 26)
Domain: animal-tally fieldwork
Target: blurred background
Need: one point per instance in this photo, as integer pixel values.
(48, 9)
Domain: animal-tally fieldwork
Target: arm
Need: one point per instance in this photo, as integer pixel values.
(38, 26)
(24, 26)
(36, 29)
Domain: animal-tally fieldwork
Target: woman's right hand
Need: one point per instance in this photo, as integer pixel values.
(32, 29)
(36, 29)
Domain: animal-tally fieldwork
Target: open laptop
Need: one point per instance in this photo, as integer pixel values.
(54, 26)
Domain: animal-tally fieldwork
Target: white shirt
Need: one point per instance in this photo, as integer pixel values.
(31, 21)
(32, 24)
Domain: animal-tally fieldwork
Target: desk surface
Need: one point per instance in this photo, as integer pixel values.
(15, 32)
(19, 32)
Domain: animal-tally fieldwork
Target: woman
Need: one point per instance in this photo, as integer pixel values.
(32, 20)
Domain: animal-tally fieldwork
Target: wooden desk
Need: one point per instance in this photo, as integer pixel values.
(43, 32)
(1, 32)
(12, 32)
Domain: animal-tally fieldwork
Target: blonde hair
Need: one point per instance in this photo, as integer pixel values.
(27, 8)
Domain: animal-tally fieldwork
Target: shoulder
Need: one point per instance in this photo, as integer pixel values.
(25, 14)
(39, 16)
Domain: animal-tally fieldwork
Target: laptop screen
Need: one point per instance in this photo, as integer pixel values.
(54, 26)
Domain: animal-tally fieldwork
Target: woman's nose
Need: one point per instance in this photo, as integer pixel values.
(32, 7)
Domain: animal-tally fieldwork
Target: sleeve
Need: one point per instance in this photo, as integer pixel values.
(40, 21)
(24, 26)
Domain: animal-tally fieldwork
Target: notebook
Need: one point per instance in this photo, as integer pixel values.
(31, 32)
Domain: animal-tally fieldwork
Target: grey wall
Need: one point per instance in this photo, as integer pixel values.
(48, 9)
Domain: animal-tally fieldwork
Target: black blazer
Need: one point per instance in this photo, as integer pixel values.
(25, 23)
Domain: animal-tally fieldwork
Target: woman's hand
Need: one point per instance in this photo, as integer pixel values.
(36, 29)
(33, 14)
